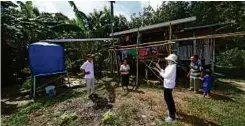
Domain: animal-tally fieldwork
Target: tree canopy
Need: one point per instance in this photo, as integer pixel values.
(22, 24)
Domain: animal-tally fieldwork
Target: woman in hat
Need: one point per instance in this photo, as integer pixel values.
(169, 75)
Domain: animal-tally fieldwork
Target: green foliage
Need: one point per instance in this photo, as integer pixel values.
(21, 117)
(232, 58)
(23, 24)
(67, 118)
(27, 84)
(108, 118)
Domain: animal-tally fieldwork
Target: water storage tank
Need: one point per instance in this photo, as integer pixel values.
(46, 58)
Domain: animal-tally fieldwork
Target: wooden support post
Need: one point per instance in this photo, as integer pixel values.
(146, 73)
(111, 64)
(213, 60)
(116, 62)
(137, 60)
(194, 43)
(170, 32)
(170, 38)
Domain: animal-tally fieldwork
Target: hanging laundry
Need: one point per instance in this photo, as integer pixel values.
(143, 52)
(124, 54)
(119, 56)
(132, 52)
(154, 52)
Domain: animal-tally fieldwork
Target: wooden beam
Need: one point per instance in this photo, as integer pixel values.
(189, 38)
(138, 47)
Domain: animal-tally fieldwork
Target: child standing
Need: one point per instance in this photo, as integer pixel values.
(207, 83)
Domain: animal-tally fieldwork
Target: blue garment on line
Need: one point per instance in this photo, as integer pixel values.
(124, 54)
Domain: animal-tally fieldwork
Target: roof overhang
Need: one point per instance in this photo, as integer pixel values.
(155, 26)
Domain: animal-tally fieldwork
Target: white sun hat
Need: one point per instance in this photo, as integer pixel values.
(172, 57)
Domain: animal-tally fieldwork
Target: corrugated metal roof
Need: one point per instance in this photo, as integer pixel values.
(150, 27)
(204, 26)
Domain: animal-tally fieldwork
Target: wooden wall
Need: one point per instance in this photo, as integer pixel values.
(204, 48)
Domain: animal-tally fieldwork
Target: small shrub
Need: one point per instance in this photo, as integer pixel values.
(27, 84)
(108, 118)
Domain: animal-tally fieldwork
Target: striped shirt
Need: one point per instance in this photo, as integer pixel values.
(195, 71)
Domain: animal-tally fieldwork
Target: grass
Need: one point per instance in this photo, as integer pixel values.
(20, 118)
(226, 107)
(142, 107)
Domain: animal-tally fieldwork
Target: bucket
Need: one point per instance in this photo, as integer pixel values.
(50, 90)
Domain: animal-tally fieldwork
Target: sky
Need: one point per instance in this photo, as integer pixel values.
(126, 8)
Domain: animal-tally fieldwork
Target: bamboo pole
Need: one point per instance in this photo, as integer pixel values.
(137, 60)
(189, 38)
(170, 38)
(144, 46)
(111, 61)
(170, 32)
(194, 43)
(213, 62)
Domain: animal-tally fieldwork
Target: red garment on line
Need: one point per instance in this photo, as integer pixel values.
(143, 52)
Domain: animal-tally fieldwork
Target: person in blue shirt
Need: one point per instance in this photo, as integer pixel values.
(207, 82)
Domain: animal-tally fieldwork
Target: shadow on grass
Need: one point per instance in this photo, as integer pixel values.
(110, 88)
(227, 88)
(193, 120)
(221, 97)
(133, 91)
(231, 73)
(100, 102)
(63, 94)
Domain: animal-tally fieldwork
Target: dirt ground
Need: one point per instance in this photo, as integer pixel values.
(144, 106)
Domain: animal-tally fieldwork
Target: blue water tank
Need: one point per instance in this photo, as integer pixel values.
(46, 58)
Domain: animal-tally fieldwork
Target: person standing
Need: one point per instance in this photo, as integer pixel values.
(169, 75)
(194, 75)
(88, 69)
(124, 69)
